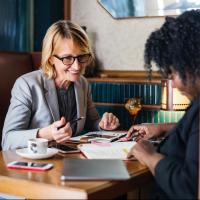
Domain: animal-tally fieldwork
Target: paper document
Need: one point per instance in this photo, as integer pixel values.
(115, 150)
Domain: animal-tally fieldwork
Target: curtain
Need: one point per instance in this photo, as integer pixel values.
(15, 25)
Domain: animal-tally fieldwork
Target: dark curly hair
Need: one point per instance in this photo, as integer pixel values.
(176, 45)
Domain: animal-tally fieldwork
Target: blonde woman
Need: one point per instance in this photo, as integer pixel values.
(44, 102)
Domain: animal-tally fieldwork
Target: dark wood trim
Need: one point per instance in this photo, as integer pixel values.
(124, 80)
(150, 107)
(128, 74)
(117, 76)
(67, 9)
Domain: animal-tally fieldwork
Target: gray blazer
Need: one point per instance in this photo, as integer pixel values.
(34, 105)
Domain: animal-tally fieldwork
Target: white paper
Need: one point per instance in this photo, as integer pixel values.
(116, 150)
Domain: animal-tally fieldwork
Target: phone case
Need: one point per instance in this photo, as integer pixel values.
(13, 165)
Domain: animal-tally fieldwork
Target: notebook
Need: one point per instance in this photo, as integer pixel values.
(95, 169)
(114, 150)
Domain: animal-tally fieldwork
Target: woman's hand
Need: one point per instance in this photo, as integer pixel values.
(148, 131)
(109, 121)
(146, 154)
(141, 150)
(60, 131)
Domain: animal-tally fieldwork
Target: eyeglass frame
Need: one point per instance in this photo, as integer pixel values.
(74, 58)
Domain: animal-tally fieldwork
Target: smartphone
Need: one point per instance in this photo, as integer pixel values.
(29, 165)
(66, 149)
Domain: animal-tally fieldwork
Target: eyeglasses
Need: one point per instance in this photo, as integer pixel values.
(69, 60)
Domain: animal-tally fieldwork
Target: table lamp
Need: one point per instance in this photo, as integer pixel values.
(171, 98)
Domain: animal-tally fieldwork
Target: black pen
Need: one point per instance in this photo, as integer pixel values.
(75, 120)
(71, 122)
(139, 136)
(117, 138)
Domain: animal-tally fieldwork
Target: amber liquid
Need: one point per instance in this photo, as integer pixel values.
(133, 106)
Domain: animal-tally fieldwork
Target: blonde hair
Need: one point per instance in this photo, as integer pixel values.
(62, 29)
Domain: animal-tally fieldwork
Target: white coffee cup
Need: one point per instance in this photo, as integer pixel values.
(37, 145)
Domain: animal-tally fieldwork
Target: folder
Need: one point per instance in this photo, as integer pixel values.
(93, 169)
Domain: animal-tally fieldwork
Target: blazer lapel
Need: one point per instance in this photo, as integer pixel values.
(80, 103)
(51, 98)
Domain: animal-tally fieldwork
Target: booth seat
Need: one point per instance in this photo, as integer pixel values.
(13, 65)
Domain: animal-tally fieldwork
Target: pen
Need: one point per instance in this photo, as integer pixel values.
(71, 122)
(75, 120)
(138, 137)
(117, 138)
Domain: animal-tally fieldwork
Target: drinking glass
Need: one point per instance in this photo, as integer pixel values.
(133, 105)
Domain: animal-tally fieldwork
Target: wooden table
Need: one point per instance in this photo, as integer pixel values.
(33, 185)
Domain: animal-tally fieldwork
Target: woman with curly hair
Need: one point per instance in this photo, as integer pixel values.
(175, 49)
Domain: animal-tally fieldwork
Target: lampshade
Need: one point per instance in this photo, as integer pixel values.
(171, 98)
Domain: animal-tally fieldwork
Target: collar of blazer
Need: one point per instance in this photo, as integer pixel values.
(51, 97)
(52, 100)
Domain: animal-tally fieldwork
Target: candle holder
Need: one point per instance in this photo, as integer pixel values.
(133, 105)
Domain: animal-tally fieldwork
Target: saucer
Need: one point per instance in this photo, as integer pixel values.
(25, 153)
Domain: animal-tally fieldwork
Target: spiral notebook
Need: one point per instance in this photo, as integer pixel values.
(95, 169)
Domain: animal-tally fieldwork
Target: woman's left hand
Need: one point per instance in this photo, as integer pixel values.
(109, 122)
(142, 150)
(146, 154)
